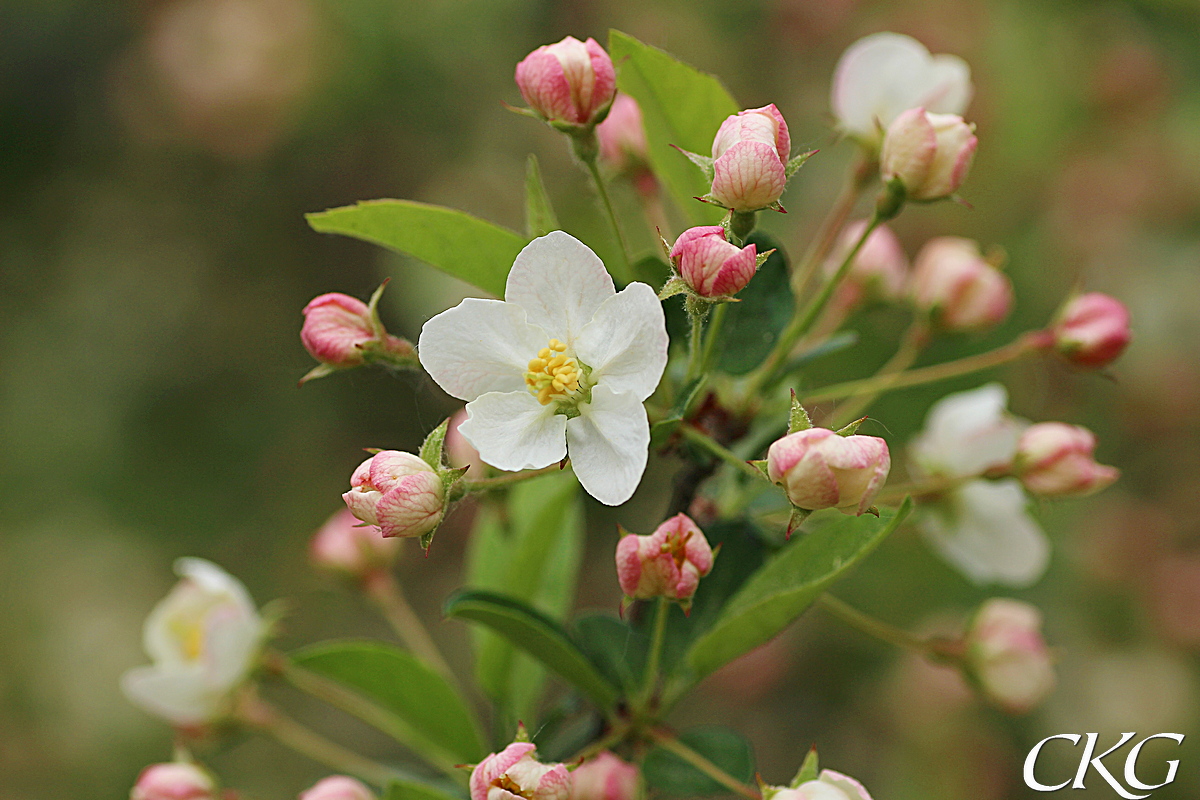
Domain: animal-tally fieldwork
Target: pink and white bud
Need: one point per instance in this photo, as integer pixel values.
(605, 777)
(1092, 330)
(1055, 460)
(345, 545)
(622, 136)
(514, 774)
(459, 452)
(710, 265)
(929, 153)
(750, 155)
(818, 469)
(571, 81)
(668, 563)
(338, 787)
(880, 270)
(829, 785)
(954, 282)
(1007, 657)
(398, 492)
(340, 331)
(174, 781)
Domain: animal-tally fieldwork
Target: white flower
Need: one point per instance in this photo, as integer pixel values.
(884, 74)
(982, 527)
(561, 365)
(203, 638)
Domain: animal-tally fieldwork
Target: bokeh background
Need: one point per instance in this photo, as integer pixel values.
(156, 160)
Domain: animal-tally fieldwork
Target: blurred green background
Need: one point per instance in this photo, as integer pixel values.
(157, 156)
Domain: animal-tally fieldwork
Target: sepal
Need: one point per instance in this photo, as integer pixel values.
(808, 770)
(434, 444)
(798, 419)
(797, 162)
(705, 163)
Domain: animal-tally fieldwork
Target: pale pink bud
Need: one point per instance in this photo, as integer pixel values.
(605, 777)
(879, 271)
(1092, 330)
(344, 544)
(398, 492)
(829, 785)
(459, 452)
(514, 774)
(1007, 657)
(818, 469)
(1055, 460)
(338, 787)
(929, 153)
(750, 154)
(174, 781)
(953, 280)
(622, 136)
(710, 265)
(668, 563)
(339, 330)
(570, 81)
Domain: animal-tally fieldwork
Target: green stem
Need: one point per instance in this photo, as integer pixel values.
(860, 176)
(484, 484)
(657, 638)
(871, 626)
(710, 342)
(672, 745)
(695, 345)
(602, 190)
(915, 340)
(930, 486)
(703, 440)
(383, 589)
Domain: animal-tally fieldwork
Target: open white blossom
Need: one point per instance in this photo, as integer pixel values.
(884, 74)
(203, 638)
(561, 365)
(982, 527)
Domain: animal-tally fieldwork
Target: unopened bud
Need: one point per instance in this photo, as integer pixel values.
(1007, 657)
(342, 331)
(710, 265)
(398, 492)
(818, 469)
(347, 546)
(605, 777)
(954, 282)
(570, 82)
(174, 781)
(622, 136)
(338, 787)
(829, 785)
(750, 154)
(929, 153)
(1092, 330)
(880, 269)
(668, 563)
(1055, 460)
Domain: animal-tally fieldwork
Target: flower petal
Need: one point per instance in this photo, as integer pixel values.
(513, 431)
(560, 283)
(869, 74)
(179, 696)
(968, 432)
(948, 89)
(608, 445)
(479, 346)
(625, 344)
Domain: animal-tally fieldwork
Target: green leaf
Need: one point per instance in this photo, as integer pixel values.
(617, 650)
(753, 325)
(681, 106)
(428, 713)
(725, 748)
(417, 790)
(466, 247)
(540, 218)
(538, 635)
(660, 431)
(787, 585)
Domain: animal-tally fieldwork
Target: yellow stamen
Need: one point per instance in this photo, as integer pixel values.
(552, 375)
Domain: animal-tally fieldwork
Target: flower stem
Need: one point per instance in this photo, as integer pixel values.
(695, 345)
(871, 626)
(657, 638)
(602, 190)
(668, 742)
(915, 340)
(710, 342)
(700, 438)
(385, 592)
(484, 484)
(929, 486)
(857, 180)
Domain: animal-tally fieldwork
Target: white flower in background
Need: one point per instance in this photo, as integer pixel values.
(203, 638)
(982, 527)
(884, 74)
(560, 366)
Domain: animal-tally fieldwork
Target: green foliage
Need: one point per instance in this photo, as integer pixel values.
(618, 651)
(660, 431)
(788, 584)
(416, 790)
(429, 714)
(725, 748)
(753, 325)
(681, 106)
(455, 242)
(540, 218)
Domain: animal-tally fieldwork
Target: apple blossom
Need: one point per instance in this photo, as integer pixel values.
(1092, 330)
(828, 785)
(345, 545)
(967, 434)
(605, 777)
(570, 82)
(879, 271)
(884, 74)
(342, 331)
(1007, 657)
(338, 787)
(398, 492)
(750, 155)
(818, 468)
(560, 367)
(174, 781)
(710, 265)
(668, 563)
(622, 137)
(514, 774)
(1055, 460)
(204, 639)
(954, 282)
(929, 154)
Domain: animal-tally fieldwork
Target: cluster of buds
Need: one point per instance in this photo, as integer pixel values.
(338, 787)
(1054, 459)
(1006, 657)
(667, 563)
(177, 780)
(515, 774)
(343, 332)
(958, 287)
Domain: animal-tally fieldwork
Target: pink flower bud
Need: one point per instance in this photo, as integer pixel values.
(668, 563)
(1007, 657)
(879, 271)
(514, 774)
(1092, 330)
(605, 777)
(174, 781)
(571, 81)
(829, 785)
(929, 153)
(750, 154)
(710, 265)
(622, 136)
(1055, 460)
(340, 331)
(459, 452)
(345, 545)
(952, 280)
(398, 492)
(818, 469)
(338, 787)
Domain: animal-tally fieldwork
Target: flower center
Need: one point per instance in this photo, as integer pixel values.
(553, 375)
(676, 545)
(190, 635)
